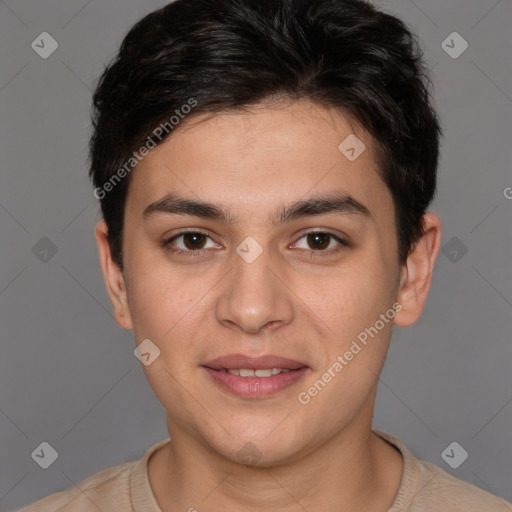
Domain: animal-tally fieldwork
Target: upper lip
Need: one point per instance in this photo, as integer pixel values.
(253, 362)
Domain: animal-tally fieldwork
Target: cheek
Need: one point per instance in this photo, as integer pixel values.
(165, 309)
(163, 301)
(351, 298)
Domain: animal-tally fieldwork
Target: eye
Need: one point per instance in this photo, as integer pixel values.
(193, 242)
(320, 241)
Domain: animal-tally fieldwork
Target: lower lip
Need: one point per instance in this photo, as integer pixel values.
(256, 387)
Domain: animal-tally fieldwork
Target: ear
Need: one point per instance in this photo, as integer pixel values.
(416, 273)
(114, 278)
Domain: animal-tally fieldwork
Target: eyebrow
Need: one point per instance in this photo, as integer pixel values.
(172, 204)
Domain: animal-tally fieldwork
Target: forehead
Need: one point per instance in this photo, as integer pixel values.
(264, 155)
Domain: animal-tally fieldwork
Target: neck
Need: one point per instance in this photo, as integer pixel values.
(354, 470)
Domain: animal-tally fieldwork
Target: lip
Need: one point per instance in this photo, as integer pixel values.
(254, 387)
(253, 362)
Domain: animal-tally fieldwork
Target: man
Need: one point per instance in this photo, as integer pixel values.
(264, 170)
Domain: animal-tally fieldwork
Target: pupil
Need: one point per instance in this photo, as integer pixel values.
(319, 239)
(193, 236)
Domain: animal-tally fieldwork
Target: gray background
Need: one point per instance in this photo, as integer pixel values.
(68, 375)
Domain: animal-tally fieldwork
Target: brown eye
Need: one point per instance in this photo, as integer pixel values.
(194, 240)
(193, 243)
(318, 240)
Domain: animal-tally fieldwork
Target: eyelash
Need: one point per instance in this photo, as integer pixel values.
(167, 243)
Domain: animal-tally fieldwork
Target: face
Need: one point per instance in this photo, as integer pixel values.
(293, 255)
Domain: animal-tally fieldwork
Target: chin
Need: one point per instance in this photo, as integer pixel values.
(261, 448)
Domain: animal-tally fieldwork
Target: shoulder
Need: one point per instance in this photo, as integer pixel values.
(427, 487)
(108, 486)
(439, 490)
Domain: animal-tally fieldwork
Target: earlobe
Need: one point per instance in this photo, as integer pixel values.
(416, 274)
(113, 276)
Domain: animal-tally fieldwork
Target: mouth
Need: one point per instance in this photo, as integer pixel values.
(260, 372)
(244, 362)
(254, 377)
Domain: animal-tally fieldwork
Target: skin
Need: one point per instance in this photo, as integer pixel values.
(294, 300)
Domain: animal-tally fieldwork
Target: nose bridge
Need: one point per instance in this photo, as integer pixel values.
(253, 296)
(252, 271)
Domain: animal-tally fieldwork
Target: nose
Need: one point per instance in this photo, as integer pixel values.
(254, 297)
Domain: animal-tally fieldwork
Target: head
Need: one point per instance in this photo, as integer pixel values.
(252, 127)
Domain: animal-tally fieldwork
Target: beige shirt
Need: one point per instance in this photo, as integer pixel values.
(424, 488)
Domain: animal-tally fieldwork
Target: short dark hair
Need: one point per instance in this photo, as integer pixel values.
(230, 54)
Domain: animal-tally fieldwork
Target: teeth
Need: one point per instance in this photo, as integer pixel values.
(263, 373)
(246, 372)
